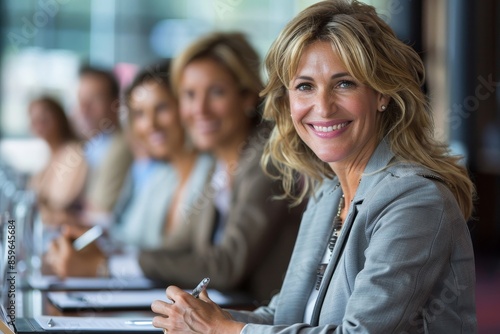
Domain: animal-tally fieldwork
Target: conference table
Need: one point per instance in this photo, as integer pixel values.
(104, 297)
(96, 305)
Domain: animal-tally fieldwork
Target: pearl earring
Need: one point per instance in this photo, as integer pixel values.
(383, 107)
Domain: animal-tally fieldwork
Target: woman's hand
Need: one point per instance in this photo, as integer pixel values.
(65, 261)
(187, 314)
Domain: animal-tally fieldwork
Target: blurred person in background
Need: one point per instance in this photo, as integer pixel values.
(236, 232)
(240, 235)
(106, 149)
(151, 209)
(60, 185)
(179, 172)
(383, 246)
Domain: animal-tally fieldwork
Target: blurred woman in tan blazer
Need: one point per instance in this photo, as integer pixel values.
(241, 236)
(235, 231)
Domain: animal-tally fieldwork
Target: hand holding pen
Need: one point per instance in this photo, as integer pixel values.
(200, 287)
(186, 314)
(74, 252)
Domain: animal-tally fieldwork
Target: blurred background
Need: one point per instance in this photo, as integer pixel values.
(44, 42)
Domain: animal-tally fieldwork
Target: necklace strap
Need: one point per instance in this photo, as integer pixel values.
(341, 205)
(336, 227)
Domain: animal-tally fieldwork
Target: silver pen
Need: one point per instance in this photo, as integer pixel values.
(142, 322)
(201, 286)
(88, 237)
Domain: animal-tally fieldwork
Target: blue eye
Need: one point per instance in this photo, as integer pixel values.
(303, 86)
(346, 84)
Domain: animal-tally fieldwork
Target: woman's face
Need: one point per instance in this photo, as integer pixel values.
(42, 122)
(213, 106)
(155, 120)
(333, 113)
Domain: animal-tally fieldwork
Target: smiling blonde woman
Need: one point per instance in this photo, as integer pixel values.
(383, 245)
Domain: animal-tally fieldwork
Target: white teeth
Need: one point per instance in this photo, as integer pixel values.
(329, 128)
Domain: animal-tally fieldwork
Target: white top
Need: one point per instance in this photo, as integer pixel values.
(314, 293)
(326, 259)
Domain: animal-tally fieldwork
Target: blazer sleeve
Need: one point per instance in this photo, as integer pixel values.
(419, 257)
(262, 315)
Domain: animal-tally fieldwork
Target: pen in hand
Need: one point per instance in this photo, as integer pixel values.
(201, 286)
(88, 237)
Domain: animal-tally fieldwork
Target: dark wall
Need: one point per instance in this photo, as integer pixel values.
(2, 33)
(473, 60)
(486, 128)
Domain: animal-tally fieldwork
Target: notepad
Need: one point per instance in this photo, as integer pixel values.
(91, 283)
(95, 323)
(126, 300)
(57, 325)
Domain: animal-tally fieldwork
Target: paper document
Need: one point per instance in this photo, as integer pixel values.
(69, 324)
(137, 300)
(90, 283)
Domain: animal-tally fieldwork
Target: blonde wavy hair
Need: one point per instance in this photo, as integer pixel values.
(371, 53)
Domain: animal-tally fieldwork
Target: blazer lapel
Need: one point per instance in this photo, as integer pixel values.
(205, 224)
(301, 276)
(337, 252)
(371, 175)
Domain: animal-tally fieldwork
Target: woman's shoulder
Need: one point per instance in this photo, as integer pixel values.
(418, 176)
(393, 174)
(413, 184)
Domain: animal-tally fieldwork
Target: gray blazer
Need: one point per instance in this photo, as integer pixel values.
(402, 264)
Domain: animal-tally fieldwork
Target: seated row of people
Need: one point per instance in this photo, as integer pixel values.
(89, 157)
(206, 208)
(383, 246)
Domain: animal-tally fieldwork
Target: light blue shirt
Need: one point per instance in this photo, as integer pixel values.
(96, 148)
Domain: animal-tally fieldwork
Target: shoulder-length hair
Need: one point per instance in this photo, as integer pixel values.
(231, 50)
(64, 128)
(372, 54)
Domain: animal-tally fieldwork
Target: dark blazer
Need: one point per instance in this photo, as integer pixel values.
(257, 242)
(403, 262)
